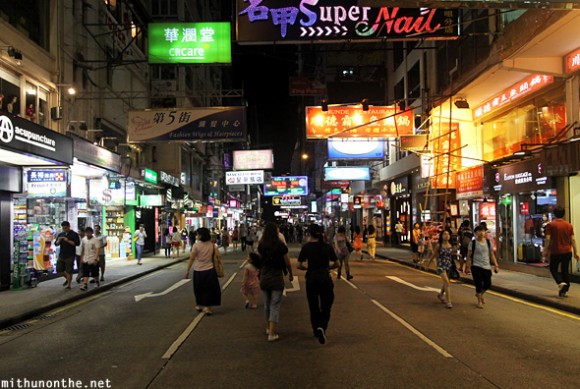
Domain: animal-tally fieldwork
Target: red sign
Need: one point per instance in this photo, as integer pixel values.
(306, 86)
(334, 184)
(573, 62)
(447, 152)
(351, 122)
(523, 88)
(487, 211)
(470, 183)
(524, 208)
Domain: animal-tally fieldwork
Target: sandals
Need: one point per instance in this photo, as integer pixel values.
(441, 298)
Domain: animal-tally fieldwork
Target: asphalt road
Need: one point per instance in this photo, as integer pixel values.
(387, 331)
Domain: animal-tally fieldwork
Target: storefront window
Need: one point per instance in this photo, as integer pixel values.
(9, 93)
(30, 103)
(534, 123)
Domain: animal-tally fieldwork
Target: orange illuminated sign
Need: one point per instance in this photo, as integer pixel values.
(350, 122)
(573, 61)
(523, 88)
(470, 183)
(447, 151)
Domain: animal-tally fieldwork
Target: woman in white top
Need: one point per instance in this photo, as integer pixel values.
(206, 285)
(175, 242)
(480, 257)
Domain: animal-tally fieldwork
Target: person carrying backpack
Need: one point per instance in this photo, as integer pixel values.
(465, 239)
(480, 258)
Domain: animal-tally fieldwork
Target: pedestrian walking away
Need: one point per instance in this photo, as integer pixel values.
(206, 285)
(250, 288)
(90, 250)
(480, 259)
(372, 241)
(445, 254)
(416, 241)
(558, 246)
(166, 242)
(102, 239)
(68, 240)
(318, 258)
(358, 242)
(340, 244)
(243, 232)
(275, 262)
(139, 238)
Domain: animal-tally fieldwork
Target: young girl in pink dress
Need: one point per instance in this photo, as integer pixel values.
(251, 284)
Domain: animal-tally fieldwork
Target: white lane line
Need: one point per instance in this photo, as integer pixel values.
(421, 288)
(179, 341)
(229, 281)
(405, 324)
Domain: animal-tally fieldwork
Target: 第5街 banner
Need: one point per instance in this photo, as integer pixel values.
(227, 124)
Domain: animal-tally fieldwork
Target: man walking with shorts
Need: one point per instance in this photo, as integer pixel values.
(90, 249)
(68, 240)
(558, 249)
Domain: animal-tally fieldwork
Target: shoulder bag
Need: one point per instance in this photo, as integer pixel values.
(217, 264)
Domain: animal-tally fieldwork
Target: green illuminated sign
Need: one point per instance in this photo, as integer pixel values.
(150, 176)
(206, 42)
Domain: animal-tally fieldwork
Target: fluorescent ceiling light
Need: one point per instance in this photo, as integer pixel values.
(19, 159)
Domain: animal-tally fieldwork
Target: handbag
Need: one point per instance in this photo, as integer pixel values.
(217, 264)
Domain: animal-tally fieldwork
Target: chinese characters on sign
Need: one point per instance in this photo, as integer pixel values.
(290, 21)
(523, 88)
(470, 183)
(447, 156)
(48, 183)
(347, 122)
(248, 177)
(287, 185)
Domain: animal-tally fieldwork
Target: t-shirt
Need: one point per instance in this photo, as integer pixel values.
(89, 250)
(203, 255)
(481, 255)
(140, 237)
(68, 250)
(272, 273)
(102, 240)
(560, 232)
(318, 255)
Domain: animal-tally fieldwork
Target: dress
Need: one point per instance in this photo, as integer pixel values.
(206, 286)
(445, 260)
(251, 286)
(358, 242)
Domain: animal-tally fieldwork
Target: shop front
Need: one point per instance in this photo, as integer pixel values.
(401, 212)
(24, 144)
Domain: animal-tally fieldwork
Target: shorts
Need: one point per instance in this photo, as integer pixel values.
(65, 265)
(90, 270)
(176, 244)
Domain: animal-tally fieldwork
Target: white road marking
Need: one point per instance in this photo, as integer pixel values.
(229, 281)
(422, 288)
(415, 331)
(166, 291)
(179, 341)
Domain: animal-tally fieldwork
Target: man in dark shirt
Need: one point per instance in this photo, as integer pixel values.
(558, 248)
(67, 240)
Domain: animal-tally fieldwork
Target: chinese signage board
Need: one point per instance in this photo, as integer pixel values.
(46, 182)
(296, 21)
(151, 200)
(253, 159)
(522, 177)
(345, 148)
(470, 183)
(286, 200)
(23, 136)
(187, 124)
(286, 185)
(150, 175)
(447, 156)
(413, 142)
(351, 173)
(572, 62)
(168, 179)
(523, 88)
(248, 177)
(191, 43)
(353, 122)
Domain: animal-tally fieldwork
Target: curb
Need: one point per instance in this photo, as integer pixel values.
(500, 289)
(46, 308)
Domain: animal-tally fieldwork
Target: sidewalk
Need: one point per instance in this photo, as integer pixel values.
(20, 305)
(529, 287)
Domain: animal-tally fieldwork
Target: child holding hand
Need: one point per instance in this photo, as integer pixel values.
(251, 283)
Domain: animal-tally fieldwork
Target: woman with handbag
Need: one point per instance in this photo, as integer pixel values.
(275, 263)
(341, 248)
(206, 286)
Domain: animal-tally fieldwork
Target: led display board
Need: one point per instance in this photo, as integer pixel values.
(354, 122)
(194, 43)
(286, 185)
(344, 148)
(253, 159)
(351, 173)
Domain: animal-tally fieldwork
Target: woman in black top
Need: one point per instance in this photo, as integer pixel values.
(319, 286)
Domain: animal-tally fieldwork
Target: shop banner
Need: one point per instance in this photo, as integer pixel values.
(46, 182)
(447, 151)
(253, 159)
(305, 21)
(470, 183)
(345, 148)
(286, 200)
(247, 177)
(523, 176)
(413, 142)
(26, 137)
(326, 184)
(227, 124)
(94, 155)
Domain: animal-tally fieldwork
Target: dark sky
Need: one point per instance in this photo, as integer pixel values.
(272, 113)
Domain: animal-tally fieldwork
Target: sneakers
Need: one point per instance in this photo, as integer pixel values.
(273, 338)
(563, 288)
(349, 277)
(441, 298)
(321, 335)
(84, 287)
(448, 305)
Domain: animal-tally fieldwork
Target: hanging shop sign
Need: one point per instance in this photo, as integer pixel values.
(469, 183)
(352, 173)
(100, 192)
(253, 159)
(413, 142)
(325, 184)
(517, 91)
(296, 21)
(190, 43)
(354, 122)
(46, 182)
(94, 155)
(149, 176)
(247, 177)
(168, 179)
(348, 148)
(227, 124)
(447, 155)
(26, 137)
(307, 86)
(286, 185)
(151, 200)
(399, 187)
(286, 200)
(130, 193)
(572, 63)
(523, 176)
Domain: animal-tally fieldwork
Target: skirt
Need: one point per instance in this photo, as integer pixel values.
(206, 288)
